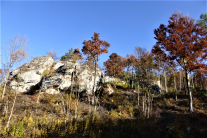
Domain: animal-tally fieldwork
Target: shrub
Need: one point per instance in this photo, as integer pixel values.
(16, 130)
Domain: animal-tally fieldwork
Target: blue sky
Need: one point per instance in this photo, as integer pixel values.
(61, 25)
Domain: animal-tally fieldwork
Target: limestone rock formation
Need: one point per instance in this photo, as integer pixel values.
(53, 77)
(30, 73)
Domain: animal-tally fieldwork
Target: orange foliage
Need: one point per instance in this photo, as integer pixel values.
(114, 65)
(95, 47)
(183, 41)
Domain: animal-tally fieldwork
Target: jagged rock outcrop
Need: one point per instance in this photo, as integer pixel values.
(53, 77)
(30, 73)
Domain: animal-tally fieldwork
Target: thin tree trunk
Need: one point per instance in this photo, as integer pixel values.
(89, 101)
(160, 78)
(138, 94)
(143, 99)
(180, 82)
(184, 86)
(6, 79)
(94, 85)
(175, 86)
(128, 77)
(63, 103)
(6, 106)
(192, 82)
(151, 101)
(71, 89)
(76, 107)
(12, 109)
(202, 82)
(165, 82)
(132, 77)
(40, 92)
(189, 92)
(145, 104)
(148, 106)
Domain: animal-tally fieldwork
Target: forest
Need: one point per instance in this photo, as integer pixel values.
(175, 108)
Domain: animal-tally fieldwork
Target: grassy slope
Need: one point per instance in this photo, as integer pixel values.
(117, 116)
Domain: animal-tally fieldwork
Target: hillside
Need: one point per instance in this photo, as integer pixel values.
(118, 115)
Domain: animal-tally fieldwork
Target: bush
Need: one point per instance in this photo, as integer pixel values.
(16, 130)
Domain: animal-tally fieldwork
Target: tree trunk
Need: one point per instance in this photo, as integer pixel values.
(175, 86)
(160, 78)
(143, 99)
(63, 104)
(202, 82)
(6, 79)
(184, 86)
(189, 92)
(76, 107)
(12, 108)
(180, 82)
(128, 77)
(192, 82)
(138, 94)
(148, 105)
(165, 81)
(71, 89)
(94, 89)
(147, 79)
(132, 77)
(94, 84)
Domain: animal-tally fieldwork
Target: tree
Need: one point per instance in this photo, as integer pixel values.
(160, 61)
(202, 21)
(67, 55)
(184, 43)
(52, 54)
(13, 54)
(147, 63)
(114, 65)
(93, 49)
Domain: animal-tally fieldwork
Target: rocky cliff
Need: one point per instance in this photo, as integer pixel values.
(53, 77)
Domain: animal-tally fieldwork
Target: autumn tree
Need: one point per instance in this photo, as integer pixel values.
(160, 61)
(185, 43)
(52, 54)
(114, 65)
(93, 49)
(13, 53)
(147, 63)
(129, 63)
(139, 53)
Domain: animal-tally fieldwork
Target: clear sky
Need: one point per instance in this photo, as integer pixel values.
(61, 25)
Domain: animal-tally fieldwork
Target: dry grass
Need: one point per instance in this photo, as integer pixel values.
(117, 116)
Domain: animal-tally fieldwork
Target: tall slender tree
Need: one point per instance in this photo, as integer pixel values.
(93, 49)
(185, 43)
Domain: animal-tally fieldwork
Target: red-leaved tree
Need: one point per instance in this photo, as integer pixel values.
(114, 65)
(93, 49)
(185, 43)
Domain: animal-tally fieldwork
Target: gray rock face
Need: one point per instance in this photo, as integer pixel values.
(55, 76)
(29, 74)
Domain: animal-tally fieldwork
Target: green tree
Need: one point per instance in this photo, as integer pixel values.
(202, 21)
(68, 55)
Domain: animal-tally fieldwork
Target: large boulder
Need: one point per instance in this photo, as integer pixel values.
(53, 77)
(30, 73)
